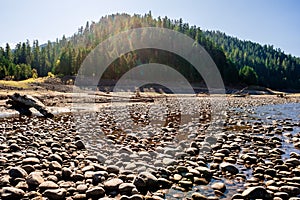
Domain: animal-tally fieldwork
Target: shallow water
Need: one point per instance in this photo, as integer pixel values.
(282, 113)
(279, 112)
(268, 115)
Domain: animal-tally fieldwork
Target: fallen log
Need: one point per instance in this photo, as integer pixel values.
(23, 103)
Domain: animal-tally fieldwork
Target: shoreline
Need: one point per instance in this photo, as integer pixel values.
(60, 103)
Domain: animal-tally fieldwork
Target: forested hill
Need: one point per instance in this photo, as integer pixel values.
(240, 62)
(273, 67)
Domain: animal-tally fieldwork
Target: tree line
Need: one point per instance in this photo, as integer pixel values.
(239, 62)
(272, 67)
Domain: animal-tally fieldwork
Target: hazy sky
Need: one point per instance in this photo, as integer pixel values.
(274, 22)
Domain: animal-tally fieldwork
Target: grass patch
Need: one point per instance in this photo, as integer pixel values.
(22, 84)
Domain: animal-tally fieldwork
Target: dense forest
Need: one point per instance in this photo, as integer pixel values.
(240, 62)
(273, 67)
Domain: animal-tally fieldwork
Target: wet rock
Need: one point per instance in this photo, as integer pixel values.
(28, 168)
(79, 144)
(271, 172)
(150, 180)
(88, 168)
(31, 160)
(77, 177)
(287, 128)
(67, 184)
(282, 195)
(22, 185)
(213, 197)
(3, 161)
(95, 192)
(133, 197)
(11, 193)
(130, 166)
(4, 180)
(14, 147)
(237, 196)
(66, 173)
(54, 165)
(293, 161)
(112, 184)
(185, 183)
(34, 179)
(227, 167)
(177, 177)
(198, 196)
(82, 188)
(192, 151)
(195, 172)
(281, 167)
(169, 161)
(48, 185)
(126, 188)
(219, 186)
(99, 176)
(52, 178)
(164, 183)
(33, 195)
(182, 169)
(98, 167)
(200, 181)
(141, 185)
(205, 172)
(56, 157)
(113, 169)
(258, 192)
(17, 172)
(273, 188)
(291, 190)
(296, 180)
(155, 197)
(55, 194)
(249, 158)
(79, 197)
(91, 158)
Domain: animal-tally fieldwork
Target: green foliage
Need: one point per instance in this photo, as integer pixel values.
(22, 71)
(238, 61)
(50, 75)
(248, 75)
(3, 72)
(274, 68)
(34, 74)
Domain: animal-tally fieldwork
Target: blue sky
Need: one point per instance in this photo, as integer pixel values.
(274, 22)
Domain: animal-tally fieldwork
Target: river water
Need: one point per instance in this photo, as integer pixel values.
(290, 111)
(282, 114)
(278, 114)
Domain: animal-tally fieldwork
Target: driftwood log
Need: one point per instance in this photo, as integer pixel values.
(22, 103)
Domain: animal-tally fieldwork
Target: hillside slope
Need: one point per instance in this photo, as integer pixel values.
(239, 62)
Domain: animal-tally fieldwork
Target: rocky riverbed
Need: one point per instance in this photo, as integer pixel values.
(156, 151)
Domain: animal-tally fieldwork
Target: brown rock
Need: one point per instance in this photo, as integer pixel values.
(55, 194)
(34, 179)
(219, 186)
(11, 193)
